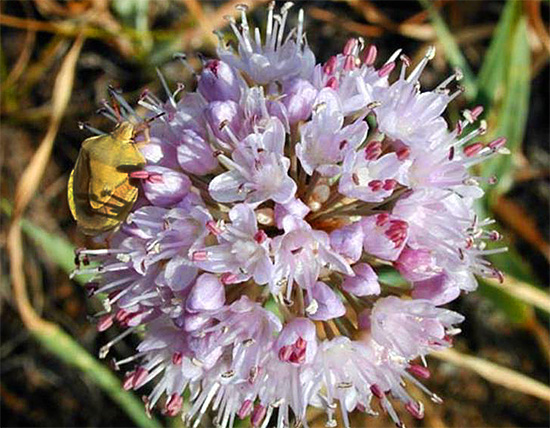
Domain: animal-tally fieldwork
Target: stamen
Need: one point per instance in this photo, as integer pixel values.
(87, 127)
(332, 83)
(165, 86)
(104, 350)
(386, 69)
(123, 103)
(370, 55)
(349, 47)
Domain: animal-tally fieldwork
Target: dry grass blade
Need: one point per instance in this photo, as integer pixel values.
(412, 29)
(524, 292)
(351, 26)
(25, 56)
(34, 25)
(521, 222)
(30, 180)
(372, 13)
(497, 374)
(61, 93)
(533, 12)
(216, 20)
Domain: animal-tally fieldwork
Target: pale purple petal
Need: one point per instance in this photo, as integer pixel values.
(324, 303)
(167, 186)
(364, 283)
(207, 294)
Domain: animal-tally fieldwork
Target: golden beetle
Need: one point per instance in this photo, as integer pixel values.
(101, 192)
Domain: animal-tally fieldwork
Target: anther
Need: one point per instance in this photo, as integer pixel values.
(419, 371)
(415, 409)
(228, 278)
(213, 228)
(177, 358)
(332, 83)
(403, 153)
(375, 185)
(139, 377)
(349, 63)
(105, 322)
(451, 153)
(173, 405)
(473, 149)
(370, 55)
(245, 409)
(330, 66)
(349, 46)
(497, 144)
(386, 69)
(260, 236)
(199, 256)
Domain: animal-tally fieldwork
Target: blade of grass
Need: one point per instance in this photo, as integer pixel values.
(515, 310)
(493, 71)
(495, 373)
(56, 248)
(511, 117)
(503, 85)
(452, 50)
(134, 14)
(527, 293)
(69, 351)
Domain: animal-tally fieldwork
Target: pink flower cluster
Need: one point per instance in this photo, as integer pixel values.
(274, 197)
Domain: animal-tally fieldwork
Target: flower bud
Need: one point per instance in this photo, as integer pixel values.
(299, 100)
(348, 241)
(416, 265)
(324, 303)
(169, 188)
(218, 82)
(207, 294)
(195, 155)
(364, 283)
(224, 118)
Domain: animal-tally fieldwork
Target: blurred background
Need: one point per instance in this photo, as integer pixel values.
(57, 59)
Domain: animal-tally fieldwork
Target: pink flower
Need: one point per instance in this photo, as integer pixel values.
(411, 328)
(268, 208)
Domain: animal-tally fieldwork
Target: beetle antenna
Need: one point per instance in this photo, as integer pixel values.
(121, 105)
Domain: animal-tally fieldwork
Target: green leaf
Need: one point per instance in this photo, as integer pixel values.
(135, 14)
(390, 276)
(69, 351)
(491, 78)
(452, 50)
(57, 249)
(514, 309)
(510, 116)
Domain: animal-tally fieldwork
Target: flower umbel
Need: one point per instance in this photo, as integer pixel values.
(274, 198)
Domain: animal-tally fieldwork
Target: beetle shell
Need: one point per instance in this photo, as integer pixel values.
(100, 191)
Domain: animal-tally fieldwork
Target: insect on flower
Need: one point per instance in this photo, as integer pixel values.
(101, 192)
(103, 185)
